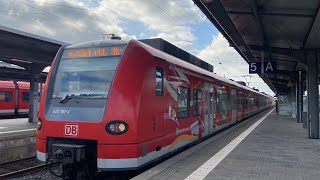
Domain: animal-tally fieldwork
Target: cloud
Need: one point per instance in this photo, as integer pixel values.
(75, 21)
(227, 62)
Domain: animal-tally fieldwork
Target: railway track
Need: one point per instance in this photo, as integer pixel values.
(21, 167)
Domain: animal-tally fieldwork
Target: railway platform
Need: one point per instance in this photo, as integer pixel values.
(17, 139)
(266, 146)
(16, 126)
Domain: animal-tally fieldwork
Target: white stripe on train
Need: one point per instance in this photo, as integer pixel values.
(126, 162)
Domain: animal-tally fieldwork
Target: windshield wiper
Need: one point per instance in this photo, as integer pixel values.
(92, 95)
(66, 97)
(70, 96)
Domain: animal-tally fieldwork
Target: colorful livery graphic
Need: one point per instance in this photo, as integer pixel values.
(114, 105)
(14, 98)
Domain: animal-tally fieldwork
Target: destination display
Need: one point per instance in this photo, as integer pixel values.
(92, 52)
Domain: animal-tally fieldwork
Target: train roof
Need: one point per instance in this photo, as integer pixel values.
(10, 84)
(175, 51)
(162, 55)
(179, 62)
(103, 42)
(7, 84)
(24, 85)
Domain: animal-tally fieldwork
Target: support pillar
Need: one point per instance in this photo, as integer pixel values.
(293, 96)
(305, 107)
(299, 97)
(34, 92)
(313, 94)
(40, 92)
(33, 99)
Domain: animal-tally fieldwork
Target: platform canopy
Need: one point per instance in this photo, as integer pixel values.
(281, 31)
(32, 53)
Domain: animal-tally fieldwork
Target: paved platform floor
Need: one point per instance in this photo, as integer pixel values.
(277, 149)
(18, 126)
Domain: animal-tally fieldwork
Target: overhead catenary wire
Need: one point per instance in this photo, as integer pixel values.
(57, 17)
(114, 12)
(207, 27)
(13, 15)
(69, 7)
(179, 23)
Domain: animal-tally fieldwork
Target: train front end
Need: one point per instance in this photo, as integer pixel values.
(72, 118)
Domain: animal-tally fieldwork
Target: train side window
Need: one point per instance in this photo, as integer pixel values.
(233, 101)
(210, 105)
(197, 98)
(5, 96)
(224, 103)
(159, 81)
(183, 102)
(230, 102)
(25, 96)
(218, 102)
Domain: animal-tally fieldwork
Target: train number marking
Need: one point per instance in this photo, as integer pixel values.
(60, 111)
(71, 130)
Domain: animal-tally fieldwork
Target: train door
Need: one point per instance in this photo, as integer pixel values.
(233, 106)
(208, 112)
(7, 101)
(23, 105)
(158, 121)
(239, 105)
(212, 108)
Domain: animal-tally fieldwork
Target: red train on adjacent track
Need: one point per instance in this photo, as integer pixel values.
(116, 105)
(14, 98)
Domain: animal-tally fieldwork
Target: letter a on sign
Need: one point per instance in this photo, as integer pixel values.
(269, 67)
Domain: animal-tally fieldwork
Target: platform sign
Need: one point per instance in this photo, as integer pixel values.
(269, 67)
(255, 68)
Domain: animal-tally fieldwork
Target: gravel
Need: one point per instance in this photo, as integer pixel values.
(44, 175)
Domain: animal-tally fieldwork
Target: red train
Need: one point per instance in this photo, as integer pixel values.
(14, 98)
(115, 105)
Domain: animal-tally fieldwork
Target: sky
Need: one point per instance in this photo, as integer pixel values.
(177, 21)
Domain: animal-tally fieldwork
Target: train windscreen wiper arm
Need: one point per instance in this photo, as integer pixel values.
(92, 95)
(66, 97)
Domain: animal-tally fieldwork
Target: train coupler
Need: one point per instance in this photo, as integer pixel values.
(72, 160)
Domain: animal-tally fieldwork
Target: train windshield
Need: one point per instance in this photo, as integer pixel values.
(89, 77)
(81, 83)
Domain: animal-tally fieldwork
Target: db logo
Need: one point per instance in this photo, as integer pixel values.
(71, 129)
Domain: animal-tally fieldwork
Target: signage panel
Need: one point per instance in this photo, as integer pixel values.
(268, 67)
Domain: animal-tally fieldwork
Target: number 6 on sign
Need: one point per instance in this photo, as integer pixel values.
(253, 67)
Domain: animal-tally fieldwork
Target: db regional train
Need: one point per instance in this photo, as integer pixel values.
(113, 105)
(14, 98)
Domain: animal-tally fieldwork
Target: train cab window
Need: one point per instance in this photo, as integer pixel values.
(75, 76)
(183, 102)
(159, 81)
(25, 97)
(5, 96)
(197, 98)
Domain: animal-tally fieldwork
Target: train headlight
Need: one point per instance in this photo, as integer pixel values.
(117, 127)
(39, 124)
